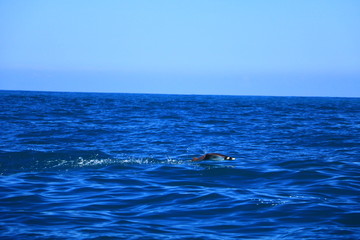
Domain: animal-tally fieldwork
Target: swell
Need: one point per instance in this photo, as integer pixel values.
(212, 198)
(97, 166)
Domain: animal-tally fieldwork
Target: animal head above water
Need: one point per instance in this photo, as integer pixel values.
(213, 156)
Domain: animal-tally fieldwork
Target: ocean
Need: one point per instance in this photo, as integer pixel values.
(118, 166)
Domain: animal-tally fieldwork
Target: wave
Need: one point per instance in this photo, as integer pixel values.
(31, 160)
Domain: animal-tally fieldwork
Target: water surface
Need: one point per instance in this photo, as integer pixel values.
(117, 166)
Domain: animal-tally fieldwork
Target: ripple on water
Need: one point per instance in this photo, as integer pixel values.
(118, 166)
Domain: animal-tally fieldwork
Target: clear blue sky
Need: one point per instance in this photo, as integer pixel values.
(291, 48)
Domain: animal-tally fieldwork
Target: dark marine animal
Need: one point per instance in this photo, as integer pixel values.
(213, 156)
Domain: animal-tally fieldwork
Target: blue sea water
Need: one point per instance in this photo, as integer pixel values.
(118, 166)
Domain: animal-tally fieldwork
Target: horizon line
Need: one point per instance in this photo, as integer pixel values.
(186, 94)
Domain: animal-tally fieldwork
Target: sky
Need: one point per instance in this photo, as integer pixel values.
(227, 47)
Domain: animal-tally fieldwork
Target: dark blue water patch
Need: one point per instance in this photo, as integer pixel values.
(37, 161)
(118, 166)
